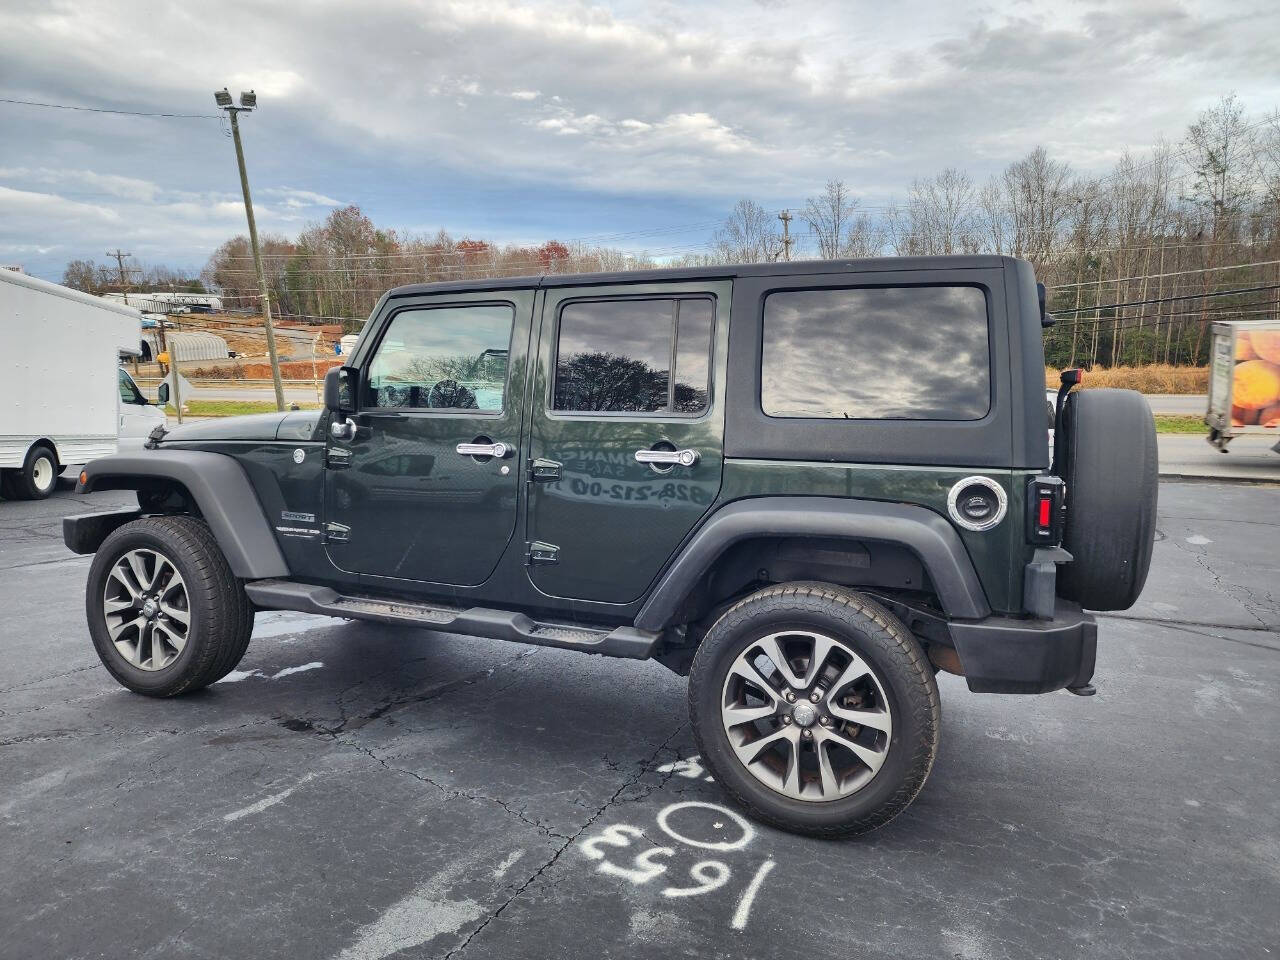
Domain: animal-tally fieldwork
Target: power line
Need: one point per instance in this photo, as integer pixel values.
(1187, 296)
(126, 113)
(1209, 315)
(1176, 273)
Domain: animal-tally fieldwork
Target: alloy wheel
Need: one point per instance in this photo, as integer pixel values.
(806, 715)
(147, 609)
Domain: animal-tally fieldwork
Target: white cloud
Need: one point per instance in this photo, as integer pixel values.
(130, 188)
(19, 205)
(300, 199)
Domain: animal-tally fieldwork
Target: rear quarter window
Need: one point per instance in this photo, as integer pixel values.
(885, 353)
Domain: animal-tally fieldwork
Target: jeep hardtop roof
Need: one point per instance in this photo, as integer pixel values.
(718, 272)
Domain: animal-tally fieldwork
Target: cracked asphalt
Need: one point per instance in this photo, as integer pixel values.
(358, 791)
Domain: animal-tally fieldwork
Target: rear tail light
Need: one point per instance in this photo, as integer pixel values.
(1046, 498)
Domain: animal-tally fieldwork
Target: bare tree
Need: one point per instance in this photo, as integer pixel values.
(939, 217)
(1269, 159)
(1037, 190)
(747, 235)
(863, 238)
(81, 275)
(1222, 150)
(993, 217)
(829, 217)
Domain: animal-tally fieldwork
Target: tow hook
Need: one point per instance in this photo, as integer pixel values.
(1084, 690)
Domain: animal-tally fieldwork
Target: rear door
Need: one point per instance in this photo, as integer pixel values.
(621, 371)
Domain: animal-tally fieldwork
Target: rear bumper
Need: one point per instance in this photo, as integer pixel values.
(1007, 655)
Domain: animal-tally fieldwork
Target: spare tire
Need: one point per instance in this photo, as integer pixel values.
(1106, 454)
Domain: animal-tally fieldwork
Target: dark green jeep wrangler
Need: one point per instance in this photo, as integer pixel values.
(807, 486)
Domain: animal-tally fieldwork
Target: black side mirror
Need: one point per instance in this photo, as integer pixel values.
(162, 394)
(341, 387)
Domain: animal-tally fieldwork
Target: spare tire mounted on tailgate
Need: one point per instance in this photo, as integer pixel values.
(1106, 454)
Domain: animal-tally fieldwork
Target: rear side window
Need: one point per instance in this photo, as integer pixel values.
(885, 353)
(634, 356)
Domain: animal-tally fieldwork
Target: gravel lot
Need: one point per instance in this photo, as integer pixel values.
(362, 791)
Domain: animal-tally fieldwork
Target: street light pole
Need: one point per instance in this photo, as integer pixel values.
(247, 102)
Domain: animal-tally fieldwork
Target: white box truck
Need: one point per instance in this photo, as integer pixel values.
(64, 398)
(1244, 382)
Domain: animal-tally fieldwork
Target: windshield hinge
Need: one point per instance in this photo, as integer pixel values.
(535, 551)
(337, 458)
(336, 533)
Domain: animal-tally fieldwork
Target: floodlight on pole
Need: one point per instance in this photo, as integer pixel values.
(247, 102)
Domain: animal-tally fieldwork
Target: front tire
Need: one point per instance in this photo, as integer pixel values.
(166, 614)
(815, 709)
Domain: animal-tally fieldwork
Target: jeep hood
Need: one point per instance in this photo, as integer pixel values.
(290, 426)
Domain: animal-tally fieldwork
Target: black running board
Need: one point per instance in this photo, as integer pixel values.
(629, 642)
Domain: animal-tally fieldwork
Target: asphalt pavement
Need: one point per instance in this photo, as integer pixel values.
(1190, 455)
(360, 791)
(1184, 404)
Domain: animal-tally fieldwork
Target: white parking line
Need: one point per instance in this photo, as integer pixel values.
(266, 802)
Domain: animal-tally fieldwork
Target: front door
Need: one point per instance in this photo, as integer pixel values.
(623, 371)
(418, 493)
(136, 417)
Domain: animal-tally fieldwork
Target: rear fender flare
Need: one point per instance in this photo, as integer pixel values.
(221, 490)
(928, 535)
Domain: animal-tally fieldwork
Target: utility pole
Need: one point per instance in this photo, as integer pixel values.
(124, 289)
(124, 272)
(785, 217)
(249, 101)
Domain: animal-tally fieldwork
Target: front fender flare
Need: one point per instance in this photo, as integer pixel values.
(919, 529)
(221, 490)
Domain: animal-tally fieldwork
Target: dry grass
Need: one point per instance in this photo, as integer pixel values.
(230, 408)
(1156, 378)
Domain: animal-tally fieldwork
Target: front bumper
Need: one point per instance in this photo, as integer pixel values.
(85, 533)
(1008, 655)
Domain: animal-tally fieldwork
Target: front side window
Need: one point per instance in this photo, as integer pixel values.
(890, 353)
(443, 358)
(129, 392)
(634, 356)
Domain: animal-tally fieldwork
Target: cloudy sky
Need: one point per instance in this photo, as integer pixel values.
(634, 123)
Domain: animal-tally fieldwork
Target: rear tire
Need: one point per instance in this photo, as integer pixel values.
(166, 614)
(1109, 461)
(856, 709)
(38, 475)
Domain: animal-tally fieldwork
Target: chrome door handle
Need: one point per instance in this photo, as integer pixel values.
(668, 458)
(499, 450)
